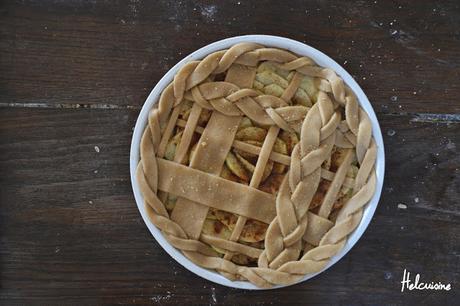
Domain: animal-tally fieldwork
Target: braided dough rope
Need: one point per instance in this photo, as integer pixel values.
(320, 128)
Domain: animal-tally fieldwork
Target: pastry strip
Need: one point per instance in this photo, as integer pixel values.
(331, 194)
(210, 154)
(192, 122)
(246, 147)
(213, 191)
(231, 246)
(256, 178)
(211, 150)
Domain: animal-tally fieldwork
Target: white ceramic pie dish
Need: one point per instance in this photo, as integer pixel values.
(273, 41)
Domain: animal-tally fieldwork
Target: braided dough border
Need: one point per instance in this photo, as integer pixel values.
(279, 263)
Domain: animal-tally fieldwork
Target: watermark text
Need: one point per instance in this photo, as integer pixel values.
(417, 284)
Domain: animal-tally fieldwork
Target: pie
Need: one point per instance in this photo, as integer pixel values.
(257, 163)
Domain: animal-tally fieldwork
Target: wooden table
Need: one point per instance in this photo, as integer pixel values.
(74, 75)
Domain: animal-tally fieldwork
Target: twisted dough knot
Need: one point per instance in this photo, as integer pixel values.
(319, 126)
(285, 233)
(229, 99)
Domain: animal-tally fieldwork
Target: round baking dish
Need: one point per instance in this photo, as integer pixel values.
(272, 41)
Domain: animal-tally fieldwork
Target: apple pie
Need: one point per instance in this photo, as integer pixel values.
(257, 163)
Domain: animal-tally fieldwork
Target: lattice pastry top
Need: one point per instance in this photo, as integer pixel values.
(257, 163)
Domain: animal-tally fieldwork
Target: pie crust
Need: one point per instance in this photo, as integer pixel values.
(257, 163)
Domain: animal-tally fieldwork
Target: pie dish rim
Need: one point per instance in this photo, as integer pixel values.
(278, 42)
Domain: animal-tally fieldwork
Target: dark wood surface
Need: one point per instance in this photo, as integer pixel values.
(73, 76)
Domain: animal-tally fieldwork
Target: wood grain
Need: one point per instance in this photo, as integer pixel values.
(74, 75)
(70, 235)
(92, 53)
